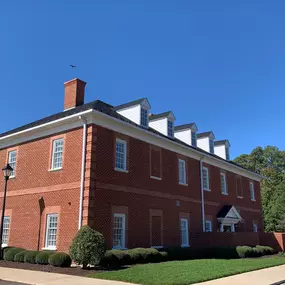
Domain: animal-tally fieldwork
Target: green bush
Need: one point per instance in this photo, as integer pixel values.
(245, 251)
(144, 255)
(266, 250)
(30, 256)
(115, 258)
(163, 255)
(20, 256)
(5, 249)
(60, 259)
(87, 247)
(11, 252)
(42, 257)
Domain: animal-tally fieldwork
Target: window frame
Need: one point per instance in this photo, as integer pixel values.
(194, 139)
(211, 146)
(13, 174)
(124, 143)
(252, 191)
(208, 222)
(186, 232)
(53, 153)
(8, 231)
(171, 133)
(239, 178)
(222, 174)
(184, 172)
(123, 238)
(146, 118)
(48, 216)
(208, 179)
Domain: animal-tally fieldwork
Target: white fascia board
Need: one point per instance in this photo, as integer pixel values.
(46, 129)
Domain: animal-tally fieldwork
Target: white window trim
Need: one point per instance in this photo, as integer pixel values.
(208, 180)
(125, 156)
(123, 216)
(46, 237)
(184, 170)
(251, 189)
(187, 232)
(52, 155)
(225, 183)
(209, 222)
(155, 177)
(6, 244)
(147, 121)
(14, 168)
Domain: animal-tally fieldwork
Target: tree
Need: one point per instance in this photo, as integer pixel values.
(87, 247)
(269, 162)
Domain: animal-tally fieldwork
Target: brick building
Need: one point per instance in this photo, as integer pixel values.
(130, 174)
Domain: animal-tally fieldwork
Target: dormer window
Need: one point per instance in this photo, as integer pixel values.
(193, 139)
(170, 128)
(211, 146)
(144, 117)
(227, 153)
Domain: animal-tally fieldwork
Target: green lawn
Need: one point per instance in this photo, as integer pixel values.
(188, 272)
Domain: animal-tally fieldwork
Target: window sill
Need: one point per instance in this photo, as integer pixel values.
(12, 177)
(121, 170)
(225, 194)
(4, 245)
(157, 246)
(119, 248)
(184, 245)
(55, 169)
(253, 200)
(49, 248)
(239, 197)
(183, 184)
(209, 190)
(156, 178)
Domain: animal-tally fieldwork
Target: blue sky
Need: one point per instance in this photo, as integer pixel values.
(218, 63)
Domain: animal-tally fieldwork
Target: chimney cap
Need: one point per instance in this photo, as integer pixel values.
(73, 80)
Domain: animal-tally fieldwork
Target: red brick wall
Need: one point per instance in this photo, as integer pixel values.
(59, 189)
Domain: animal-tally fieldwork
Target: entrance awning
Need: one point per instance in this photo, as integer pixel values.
(229, 215)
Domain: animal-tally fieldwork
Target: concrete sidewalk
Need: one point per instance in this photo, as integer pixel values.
(46, 278)
(261, 277)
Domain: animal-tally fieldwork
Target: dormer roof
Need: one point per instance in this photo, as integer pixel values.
(191, 126)
(206, 135)
(168, 114)
(222, 142)
(142, 101)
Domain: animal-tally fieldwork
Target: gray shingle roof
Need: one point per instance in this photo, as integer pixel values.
(129, 104)
(203, 135)
(184, 127)
(158, 116)
(221, 142)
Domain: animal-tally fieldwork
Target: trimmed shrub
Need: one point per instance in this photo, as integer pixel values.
(4, 249)
(144, 255)
(245, 251)
(115, 258)
(30, 256)
(11, 252)
(60, 259)
(87, 247)
(42, 257)
(266, 250)
(20, 256)
(163, 255)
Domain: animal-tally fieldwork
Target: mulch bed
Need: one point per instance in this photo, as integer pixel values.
(47, 268)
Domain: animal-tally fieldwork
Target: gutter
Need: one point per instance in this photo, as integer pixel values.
(82, 170)
(202, 193)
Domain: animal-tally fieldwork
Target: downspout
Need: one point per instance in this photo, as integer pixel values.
(82, 170)
(202, 193)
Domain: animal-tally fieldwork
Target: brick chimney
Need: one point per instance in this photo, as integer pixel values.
(73, 93)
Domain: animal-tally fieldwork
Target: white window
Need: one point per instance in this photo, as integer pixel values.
(57, 152)
(144, 117)
(252, 194)
(211, 146)
(255, 228)
(6, 226)
(12, 156)
(206, 179)
(121, 155)
(170, 128)
(224, 184)
(208, 226)
(182, 171)
(184, 232)
(193, 138)
(51, 231)
(227, 153)
(119, 229)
